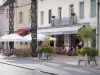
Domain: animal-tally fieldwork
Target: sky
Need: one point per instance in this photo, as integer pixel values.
(1, 2)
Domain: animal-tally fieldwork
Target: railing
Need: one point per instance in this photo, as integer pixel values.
(64, 21)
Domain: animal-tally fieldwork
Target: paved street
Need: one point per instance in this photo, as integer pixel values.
(51, 66)
(12, 70)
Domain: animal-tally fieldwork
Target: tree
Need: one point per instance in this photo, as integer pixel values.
(47, 41)
(85, 33)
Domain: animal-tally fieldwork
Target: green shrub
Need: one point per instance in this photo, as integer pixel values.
(89, 51)
(93, 52)
(45, 49)
(81, 52)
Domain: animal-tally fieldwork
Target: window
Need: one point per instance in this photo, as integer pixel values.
(93, 8)
(81, 10)
(7, 13)
(26, 43)
(50, 16)
(21, 43)
(71, 10)
(20, 17)
(42, 17)
(59, 12)
(30, 15)
(93, 43)
(2, 43)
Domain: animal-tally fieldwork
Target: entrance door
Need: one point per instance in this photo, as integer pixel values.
(74, 41)
(60, 40)
(11, 45)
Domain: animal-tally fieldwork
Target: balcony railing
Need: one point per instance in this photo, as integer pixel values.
(64, 21)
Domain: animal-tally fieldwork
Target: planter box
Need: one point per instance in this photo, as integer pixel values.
(45, 55)
(86, 59)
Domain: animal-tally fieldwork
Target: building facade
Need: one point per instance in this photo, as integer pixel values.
(63, 15)
(22, 20)
(1, 22)
(59, 18)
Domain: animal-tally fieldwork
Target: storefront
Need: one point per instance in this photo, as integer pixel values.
(63, 35)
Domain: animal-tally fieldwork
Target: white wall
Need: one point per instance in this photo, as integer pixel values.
(45, 5)
(6, 21)
(67, 39)
(1, 21)
(24, 6)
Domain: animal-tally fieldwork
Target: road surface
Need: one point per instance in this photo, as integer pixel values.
(13, 70)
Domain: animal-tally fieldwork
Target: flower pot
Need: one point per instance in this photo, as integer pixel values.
(87, 59)
(45, 55)
(83, 58)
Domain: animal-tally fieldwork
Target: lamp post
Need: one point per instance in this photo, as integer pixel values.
(98, 40)
(34, 27)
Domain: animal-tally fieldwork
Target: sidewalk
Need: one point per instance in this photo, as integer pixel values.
(61, 65)
(73, 60)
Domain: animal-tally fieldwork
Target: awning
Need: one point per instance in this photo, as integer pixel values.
(20, 31)
(62, 30)
(40, 37)
(11, 38)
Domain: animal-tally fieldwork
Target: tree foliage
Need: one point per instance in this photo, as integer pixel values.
(47, 41)
(85, 33)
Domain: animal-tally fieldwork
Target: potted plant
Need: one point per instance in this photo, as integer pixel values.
(45, 51)
(85, 33)
(90, 52)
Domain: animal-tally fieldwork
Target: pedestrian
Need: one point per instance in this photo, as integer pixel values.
(67, 49)
(80, 45)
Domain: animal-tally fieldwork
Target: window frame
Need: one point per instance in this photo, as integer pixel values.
(7, 13)
(60, 12)
(91, 10)
(29, 15)
(81, 17)
(42, 17)
(50, 16)
(20, 17)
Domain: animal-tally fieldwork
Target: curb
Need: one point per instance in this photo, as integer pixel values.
(28, 68)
